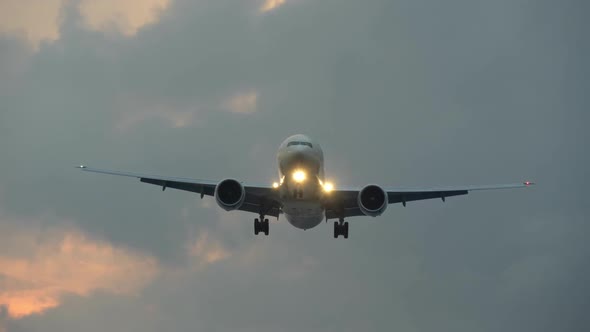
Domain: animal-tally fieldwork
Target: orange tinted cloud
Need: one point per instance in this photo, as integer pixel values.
(207, 250)
(124, 16)
(271, 5)
(39, 20)
(33, 20)
(50, 264)
(242, 103)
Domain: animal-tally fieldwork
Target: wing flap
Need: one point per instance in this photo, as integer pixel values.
(343, 203)
(460, 188)
(402, 197)
(259, 199)
(199, 188)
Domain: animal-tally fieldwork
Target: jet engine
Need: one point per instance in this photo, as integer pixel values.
(372, 200)
(230, 194)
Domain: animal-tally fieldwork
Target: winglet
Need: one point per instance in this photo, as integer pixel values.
(528, 183)
(81, 166)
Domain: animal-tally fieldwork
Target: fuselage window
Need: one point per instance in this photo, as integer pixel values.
(300, 143)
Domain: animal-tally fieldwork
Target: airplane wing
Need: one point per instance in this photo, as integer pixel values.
(258, 198)
(343, 203)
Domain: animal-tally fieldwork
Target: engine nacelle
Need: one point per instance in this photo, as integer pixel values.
(372, 200)
(230, 194)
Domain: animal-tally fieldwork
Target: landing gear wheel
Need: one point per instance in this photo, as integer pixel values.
(261, 226)
(265, 227)
(256, 226)
(341, 228)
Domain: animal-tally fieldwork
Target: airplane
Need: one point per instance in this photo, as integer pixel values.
(302, 194)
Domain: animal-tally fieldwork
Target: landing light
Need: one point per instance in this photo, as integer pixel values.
(328, 187)
(275, 185)
(299, 176)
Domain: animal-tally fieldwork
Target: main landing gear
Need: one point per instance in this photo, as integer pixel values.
(341, 228)
(261, 225)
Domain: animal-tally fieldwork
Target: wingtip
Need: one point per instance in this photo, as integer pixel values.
(528, 183)
(81, 166)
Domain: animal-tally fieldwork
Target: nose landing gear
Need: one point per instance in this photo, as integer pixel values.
(261, 226)
(341, 228)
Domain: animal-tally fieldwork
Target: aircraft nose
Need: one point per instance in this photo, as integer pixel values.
(298, 155)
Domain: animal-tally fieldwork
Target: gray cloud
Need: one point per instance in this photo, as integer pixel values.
(397, 92)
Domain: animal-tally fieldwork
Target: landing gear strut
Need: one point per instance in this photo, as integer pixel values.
(261, 225)
(341, 228)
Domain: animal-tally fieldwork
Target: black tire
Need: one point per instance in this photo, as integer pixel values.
(336, 229)
(266, 226)
(345, 230)
(256, 226)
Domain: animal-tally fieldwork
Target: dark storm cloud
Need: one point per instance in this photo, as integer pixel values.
(397, 92)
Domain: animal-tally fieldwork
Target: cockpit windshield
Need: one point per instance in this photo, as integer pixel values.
(300, 143)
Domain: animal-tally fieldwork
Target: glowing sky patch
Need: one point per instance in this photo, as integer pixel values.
(242, 103)
(207, 249)
(125, 17)
(33, 21)
(270, 5)
(51, 264)
(39, 21)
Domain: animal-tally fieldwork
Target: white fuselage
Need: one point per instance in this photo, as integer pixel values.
(301, 170)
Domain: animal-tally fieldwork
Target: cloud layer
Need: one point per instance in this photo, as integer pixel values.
(125, 17)
(40, 21)
(46, 265)
(400, 93)
(34, 21)
(269, 5)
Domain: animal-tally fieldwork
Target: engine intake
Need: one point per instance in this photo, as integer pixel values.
(230, 194)
(372, 200)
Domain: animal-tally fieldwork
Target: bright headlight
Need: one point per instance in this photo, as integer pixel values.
(299, 176)
(328, 187)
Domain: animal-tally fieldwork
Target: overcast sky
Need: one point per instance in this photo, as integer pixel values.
(397, 92)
